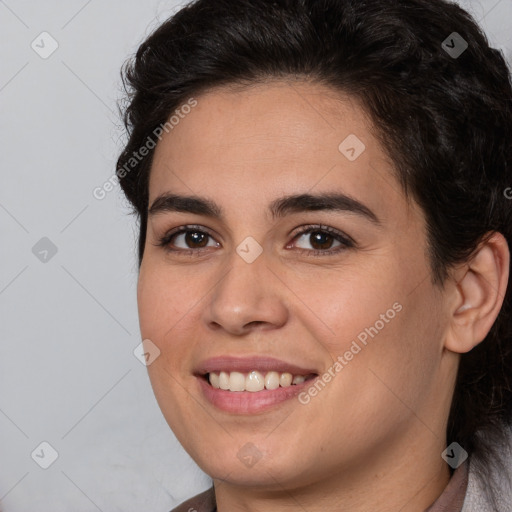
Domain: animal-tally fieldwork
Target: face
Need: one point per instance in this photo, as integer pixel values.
(338, 292)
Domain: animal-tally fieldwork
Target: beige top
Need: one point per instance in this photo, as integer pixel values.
(452, 498)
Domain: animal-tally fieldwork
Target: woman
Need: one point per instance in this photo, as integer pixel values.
(324, 251)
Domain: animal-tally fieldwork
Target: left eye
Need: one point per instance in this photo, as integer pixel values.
(321, 236)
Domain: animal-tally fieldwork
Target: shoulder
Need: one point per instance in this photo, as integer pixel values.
(203, 502)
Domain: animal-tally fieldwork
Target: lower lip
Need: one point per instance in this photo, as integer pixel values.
(249, 402)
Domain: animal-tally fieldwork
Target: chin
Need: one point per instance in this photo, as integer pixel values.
(242, 461)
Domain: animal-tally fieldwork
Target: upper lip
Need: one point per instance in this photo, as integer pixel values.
(248, 364)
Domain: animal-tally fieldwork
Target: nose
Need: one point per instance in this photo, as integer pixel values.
(247, 296)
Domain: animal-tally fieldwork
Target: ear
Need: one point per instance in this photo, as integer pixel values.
(478, 294)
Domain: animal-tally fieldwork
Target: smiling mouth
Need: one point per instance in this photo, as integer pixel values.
(254, 381)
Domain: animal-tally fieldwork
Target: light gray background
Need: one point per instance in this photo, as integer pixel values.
(69, 326)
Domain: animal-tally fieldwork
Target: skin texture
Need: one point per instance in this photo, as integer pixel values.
(372, 438)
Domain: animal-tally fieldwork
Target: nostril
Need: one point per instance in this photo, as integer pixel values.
(254, 323)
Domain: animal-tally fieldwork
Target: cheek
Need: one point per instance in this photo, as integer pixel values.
(163, 308)
(162, 300)
(396, 368)
(349, 304)
(388, 338)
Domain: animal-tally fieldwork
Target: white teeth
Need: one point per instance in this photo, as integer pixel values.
(237, 381)
(214, 380)
(272, 380)
(285, 379)
(224, 380)
(253, 381)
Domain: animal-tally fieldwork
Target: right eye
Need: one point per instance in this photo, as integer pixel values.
(194, 236)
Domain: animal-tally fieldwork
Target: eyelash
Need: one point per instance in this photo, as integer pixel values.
(347, 242)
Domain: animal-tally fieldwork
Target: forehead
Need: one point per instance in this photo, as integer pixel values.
(246, 147)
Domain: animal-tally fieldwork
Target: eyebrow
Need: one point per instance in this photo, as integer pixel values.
(278, 208)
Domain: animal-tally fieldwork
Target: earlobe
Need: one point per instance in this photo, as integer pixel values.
(479, 295)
